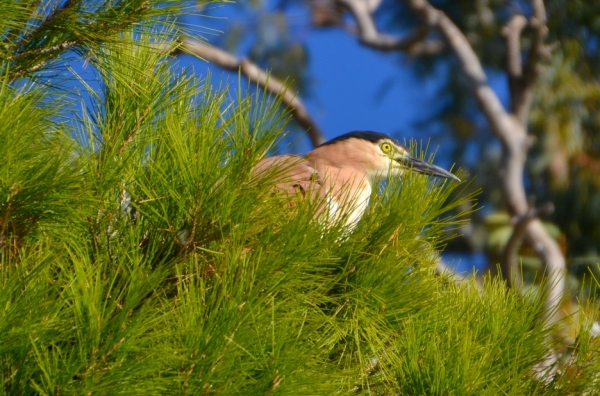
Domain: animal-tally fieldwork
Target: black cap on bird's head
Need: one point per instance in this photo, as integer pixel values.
(369, 136)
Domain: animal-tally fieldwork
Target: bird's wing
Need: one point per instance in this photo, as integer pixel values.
(296, 178)
(290, 174)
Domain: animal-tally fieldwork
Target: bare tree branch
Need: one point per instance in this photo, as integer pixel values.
(512, 31)
(510, 254)
(486, 97)
(427, 47)
(540, 32)
(512, 133)
(373, 5)
(514, 61)
(530, 73)
(414, 43)
(258, 76)
(522, 79)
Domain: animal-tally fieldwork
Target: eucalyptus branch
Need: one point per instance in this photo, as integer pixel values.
(258, 76)
(531, 68)
(488, 101)
(540, 32)
(513, 135)
(510, 254)
(514, 64)
(522, 79)
(414, 43)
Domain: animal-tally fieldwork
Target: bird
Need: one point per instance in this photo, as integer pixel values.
(339, 175)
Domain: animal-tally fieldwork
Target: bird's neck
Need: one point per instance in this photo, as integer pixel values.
(346, 161)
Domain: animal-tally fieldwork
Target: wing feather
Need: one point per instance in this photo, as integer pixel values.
(291, 174)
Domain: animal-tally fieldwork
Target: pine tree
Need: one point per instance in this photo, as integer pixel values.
(140, 256)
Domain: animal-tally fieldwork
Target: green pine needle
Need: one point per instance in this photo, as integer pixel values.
(139, 256)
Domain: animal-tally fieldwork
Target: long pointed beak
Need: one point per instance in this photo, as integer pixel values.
(420, 166)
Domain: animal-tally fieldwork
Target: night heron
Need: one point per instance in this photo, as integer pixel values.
(340, 173)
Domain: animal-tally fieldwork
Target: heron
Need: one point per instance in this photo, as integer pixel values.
(339, 174)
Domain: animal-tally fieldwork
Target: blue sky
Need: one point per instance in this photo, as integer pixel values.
(347, 81)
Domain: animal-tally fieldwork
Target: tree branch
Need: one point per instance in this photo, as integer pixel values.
(487, 99)
(510, 254)
(42, 51)
(512, 133)
(514, 64)
(37, 54)
(540, 32)
(522, 80)
(369, 35)
(258, 76)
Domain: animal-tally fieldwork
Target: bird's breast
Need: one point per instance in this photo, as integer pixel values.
(349, 206)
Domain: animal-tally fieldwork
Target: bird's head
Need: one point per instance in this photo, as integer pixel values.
(378, 155)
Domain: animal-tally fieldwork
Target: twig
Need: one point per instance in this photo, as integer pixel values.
(540, 32)
(42, 51)
(70, 4)
(258, 76)
(60, 47)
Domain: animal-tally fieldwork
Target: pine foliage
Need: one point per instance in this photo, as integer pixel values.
(140, 256)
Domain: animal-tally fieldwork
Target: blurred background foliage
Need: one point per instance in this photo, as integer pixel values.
(564, 163)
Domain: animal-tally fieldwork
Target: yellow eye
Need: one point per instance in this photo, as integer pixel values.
(386, 148)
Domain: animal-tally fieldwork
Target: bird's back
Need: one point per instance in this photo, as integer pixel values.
(290, 174)
(307, 178)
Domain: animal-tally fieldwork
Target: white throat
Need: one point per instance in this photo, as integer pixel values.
(353, 209)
